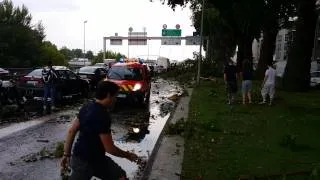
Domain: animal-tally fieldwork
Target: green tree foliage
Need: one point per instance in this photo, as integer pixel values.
(89, 55)
(77, 53)
(50, 52)
(21, 43)
(248, 18)
(67, 53)
(109, 55)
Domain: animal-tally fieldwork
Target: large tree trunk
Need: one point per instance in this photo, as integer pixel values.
(297, 72)
(244, 49)
(267, 50)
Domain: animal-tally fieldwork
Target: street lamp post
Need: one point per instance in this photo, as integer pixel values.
(201, 42)
(84, 41)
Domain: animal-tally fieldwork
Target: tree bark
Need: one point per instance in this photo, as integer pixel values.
(267, 50)
(297, 73)
(244, 49)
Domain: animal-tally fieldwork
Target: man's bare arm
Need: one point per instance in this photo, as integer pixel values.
(70, 137)
(113, 149)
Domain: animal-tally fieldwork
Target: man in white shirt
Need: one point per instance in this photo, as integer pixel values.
(268, 86)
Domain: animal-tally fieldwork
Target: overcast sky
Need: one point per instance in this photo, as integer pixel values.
(63, 21)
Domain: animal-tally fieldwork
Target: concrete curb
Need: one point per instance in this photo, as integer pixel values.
(148, 170)
(152, 156)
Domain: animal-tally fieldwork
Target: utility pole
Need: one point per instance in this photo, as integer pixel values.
(84, 42)
(201, 42)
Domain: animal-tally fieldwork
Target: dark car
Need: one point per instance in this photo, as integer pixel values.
(93, 73)
(68, 84)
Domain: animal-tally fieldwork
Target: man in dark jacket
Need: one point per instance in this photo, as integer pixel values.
(231, 78)
(49, 78)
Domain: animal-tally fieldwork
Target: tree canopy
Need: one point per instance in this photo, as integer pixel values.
(21, 43)
(239, 22)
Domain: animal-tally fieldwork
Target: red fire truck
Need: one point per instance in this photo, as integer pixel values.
(134, 80)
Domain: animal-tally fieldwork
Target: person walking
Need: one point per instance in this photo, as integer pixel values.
(268, 85)
(49, 78)
(95, 139)
(230, 78)
(246, 76)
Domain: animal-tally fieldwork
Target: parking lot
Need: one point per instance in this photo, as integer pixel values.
(25, 146)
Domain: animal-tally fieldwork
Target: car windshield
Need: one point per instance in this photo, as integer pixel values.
(87, 70)
(125, 73)
(36, 73)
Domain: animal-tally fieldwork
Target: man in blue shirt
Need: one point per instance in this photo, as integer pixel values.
(95, 139)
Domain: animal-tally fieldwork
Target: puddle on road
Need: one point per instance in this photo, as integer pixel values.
(134, 129)
(144, 127)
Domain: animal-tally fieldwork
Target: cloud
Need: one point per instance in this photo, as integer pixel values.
(46, 6)
(63, 21)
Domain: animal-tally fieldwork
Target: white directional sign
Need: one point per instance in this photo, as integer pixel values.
(171, 41)
(137, 38)
(193, 40)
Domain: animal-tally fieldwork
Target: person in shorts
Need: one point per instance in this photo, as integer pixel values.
(230, 78)
(246, 76)
(269, 84)
(89, 160)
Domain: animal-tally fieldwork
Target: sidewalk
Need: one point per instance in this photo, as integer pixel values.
(167, 163)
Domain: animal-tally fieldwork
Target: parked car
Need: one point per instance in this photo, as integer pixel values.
(315, 78)
(3, 71)
(103, 65)
(68, 84)
(9, 94)
(93, 73)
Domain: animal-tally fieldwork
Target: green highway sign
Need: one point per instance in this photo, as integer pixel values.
(171, 32)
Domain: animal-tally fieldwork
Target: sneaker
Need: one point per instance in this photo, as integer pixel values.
(263, 102)
(270, 103)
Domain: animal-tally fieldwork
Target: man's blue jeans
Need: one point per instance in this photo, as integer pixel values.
(49, 92)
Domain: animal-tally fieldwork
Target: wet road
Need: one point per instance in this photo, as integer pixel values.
(134, 129)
